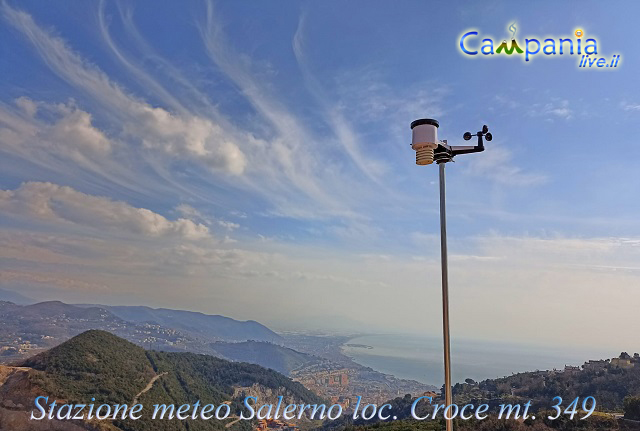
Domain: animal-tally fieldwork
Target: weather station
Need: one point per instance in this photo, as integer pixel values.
(429, 150)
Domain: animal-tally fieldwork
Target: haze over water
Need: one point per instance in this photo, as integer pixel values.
(420, 358)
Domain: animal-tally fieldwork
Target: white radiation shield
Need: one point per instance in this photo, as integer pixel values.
(424, 140)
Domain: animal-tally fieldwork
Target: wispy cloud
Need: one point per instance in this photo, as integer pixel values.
(178, 135)
(498, 166)
(628, 106)
(366, 97)
(551, 109)
(559, 109)
(344, 132)
(304, 167)
(555, 109)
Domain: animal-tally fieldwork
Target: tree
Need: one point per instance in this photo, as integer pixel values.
(632, 408)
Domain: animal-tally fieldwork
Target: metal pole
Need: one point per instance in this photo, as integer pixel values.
(445, 295)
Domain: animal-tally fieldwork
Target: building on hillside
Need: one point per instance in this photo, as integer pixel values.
(327, 378)
(622, 363)
(431, 394)
(598, 365)
(274, 425)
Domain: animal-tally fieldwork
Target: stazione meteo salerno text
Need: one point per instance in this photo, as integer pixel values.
(46, 409)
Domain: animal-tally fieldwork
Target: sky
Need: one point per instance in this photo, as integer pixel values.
(253, 159)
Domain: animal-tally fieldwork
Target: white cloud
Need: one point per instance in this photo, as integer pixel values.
(187, 137)
(75, 127)
(191, 213)
(228, 224)
(555, 109)
(53, 203)
(559, 109)
(302, 171)
(177, 134)
(294, 167)
(627, 106)
(61, 129)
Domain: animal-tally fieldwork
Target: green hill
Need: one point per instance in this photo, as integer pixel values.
(94, 361)
(97, 364)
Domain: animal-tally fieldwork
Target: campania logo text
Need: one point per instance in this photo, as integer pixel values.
(472, 44)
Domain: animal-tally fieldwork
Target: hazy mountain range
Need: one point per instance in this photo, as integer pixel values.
(29, 329)
(198, 325)
(26, 330)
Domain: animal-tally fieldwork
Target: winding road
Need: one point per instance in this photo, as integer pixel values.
(148, 387)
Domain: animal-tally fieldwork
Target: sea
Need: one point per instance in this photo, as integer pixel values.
(421, 358)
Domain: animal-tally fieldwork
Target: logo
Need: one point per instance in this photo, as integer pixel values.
(586, 50)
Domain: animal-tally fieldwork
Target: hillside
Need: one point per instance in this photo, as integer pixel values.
(494, 424)
(198, 325)
(25, 330)
(60, 309)
(281, 359)
(42, 324)
(609, 381)
(101, 365)
(94, 359)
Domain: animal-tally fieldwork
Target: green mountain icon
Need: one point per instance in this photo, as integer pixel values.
(509, 51)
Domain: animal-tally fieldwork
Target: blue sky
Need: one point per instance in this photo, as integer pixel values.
(252, 159)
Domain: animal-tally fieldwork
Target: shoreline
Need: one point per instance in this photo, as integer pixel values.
(366, 348)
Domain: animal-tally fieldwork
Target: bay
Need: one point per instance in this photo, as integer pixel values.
(420, 358)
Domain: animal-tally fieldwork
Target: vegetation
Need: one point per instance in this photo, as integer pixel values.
(608, 384)
(494, 424)
(97, 364)
(94, 364)
(615, 389)
(632, 408)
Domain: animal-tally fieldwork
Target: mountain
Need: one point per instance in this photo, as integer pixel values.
(38, 323)
(59, 309)
(100, 365)
(26, 330)
(15, 297)
(29, 329)
(198, 325)
(281, 359)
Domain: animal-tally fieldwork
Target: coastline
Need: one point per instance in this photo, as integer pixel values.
(418, 358)
(375, 357)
